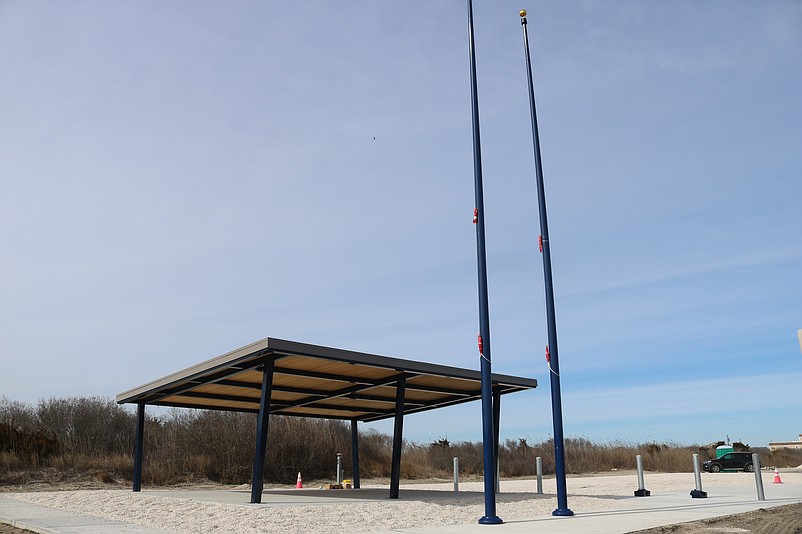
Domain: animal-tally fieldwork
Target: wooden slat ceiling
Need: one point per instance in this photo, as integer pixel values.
(315, 381)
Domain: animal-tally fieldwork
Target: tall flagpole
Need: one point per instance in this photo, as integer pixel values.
(488, 436)
(551, 348)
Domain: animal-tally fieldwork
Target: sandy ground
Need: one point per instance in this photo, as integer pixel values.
(420, 505)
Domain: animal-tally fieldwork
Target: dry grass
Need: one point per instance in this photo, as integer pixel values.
(92, 439)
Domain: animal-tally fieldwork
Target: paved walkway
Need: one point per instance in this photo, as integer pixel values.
(45, 520)
(647, 512)
(644, 512)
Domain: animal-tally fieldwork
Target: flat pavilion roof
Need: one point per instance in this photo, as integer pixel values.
(315, 381)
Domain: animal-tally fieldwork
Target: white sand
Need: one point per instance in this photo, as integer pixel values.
(415, 509)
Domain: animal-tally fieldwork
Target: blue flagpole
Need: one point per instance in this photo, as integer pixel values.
(488, 436)
(551, 349)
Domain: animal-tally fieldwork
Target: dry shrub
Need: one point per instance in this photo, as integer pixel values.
(517, 457)
(22, 438)
(471, 457)
(787, 458)
(375, 452)
(439, 456)
(414, 462)
(93, 436)
(304, 445)
(87, 425)
(219, 446)
(10, 461)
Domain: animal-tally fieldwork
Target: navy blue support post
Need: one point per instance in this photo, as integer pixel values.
(139, 445)
(257, 483)
(489, 464)
(496, 429)
(398, 431)
(355, 453)
(551, 349)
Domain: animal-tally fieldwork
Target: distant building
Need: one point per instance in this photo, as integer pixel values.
(786, 444)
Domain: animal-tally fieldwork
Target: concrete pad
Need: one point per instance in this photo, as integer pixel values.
(644, 512)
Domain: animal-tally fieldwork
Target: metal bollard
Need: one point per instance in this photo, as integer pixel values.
(758, 477)
(339, 468)
(539, 466)
(456, 475)
(697, 493)
(641, 491)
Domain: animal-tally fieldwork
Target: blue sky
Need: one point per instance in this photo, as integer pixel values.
(180, 179)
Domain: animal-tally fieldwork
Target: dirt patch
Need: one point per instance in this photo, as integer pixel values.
(777, 520)
(8, 529)
(49, 479)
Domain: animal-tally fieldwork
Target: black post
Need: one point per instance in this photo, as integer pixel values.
(139, 445)
(551, 349)
(398, 431)
(257, 482)
(355, 452)
(490, 517)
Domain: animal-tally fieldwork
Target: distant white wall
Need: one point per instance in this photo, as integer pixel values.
(786, 444)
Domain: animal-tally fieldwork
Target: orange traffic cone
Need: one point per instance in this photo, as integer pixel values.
(299, 483)
(777, 477)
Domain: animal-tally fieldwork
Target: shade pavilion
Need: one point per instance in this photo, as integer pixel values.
(279, 377)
